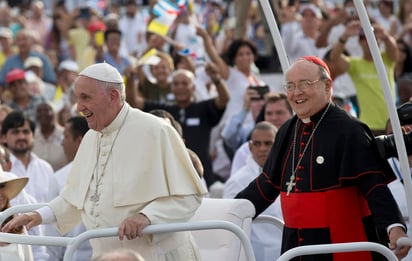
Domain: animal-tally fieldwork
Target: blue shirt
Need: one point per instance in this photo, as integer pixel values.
(235, 133)
(30, 110)
(15, 61)
(124, 62)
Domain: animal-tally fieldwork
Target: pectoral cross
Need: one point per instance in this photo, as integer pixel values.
(94, 198)
(290, 185)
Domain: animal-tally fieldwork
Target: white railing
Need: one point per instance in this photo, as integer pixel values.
(271, 220)
(330, 248)
(19, 209)
(73, 242)
(338, 248)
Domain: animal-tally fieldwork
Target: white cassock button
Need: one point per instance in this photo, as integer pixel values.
(320, 159)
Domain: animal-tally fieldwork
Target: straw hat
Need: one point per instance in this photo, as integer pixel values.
(11, 186)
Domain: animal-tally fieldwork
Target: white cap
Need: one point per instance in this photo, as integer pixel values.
(5, 32)
(33, 61)
(103, 72)
(111, 16)
(68, 65)
(311, 7)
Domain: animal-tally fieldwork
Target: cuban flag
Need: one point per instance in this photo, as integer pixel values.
(165, 7)
(182, 4)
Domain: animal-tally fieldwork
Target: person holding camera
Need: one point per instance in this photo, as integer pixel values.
(277, 111)
(236, 131)
(326, 168)
(387, 150)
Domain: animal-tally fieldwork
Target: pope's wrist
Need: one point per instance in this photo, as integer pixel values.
(150, 222)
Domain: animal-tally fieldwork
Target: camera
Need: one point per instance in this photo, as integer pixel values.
(261, 90)
(386, 143)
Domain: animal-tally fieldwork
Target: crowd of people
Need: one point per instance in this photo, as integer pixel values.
(75, 77)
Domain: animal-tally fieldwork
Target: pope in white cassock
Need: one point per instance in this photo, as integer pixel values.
(131, 170)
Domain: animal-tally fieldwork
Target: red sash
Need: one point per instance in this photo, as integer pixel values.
(340, 210)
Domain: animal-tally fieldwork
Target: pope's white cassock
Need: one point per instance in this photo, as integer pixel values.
(83, 251)
(137, 164)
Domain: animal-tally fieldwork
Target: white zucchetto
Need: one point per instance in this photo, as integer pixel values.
(103, 72)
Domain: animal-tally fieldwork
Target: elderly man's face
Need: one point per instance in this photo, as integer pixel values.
(44, 114)
(260, 144)
(94, 102)
(310, 100)
(182, 88)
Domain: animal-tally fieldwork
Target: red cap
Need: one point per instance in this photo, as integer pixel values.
(318, 61)
(96, 27)
(14, 75)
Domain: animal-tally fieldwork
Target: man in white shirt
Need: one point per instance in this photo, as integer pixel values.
(74, 130)
(18, 134)
(133, 26)
(266, 238)
(48, 137)
(299, 36)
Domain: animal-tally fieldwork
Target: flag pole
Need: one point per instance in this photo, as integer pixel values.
(274, 30)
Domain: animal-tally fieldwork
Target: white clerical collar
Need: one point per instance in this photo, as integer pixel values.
(117, 122)
(306, 120)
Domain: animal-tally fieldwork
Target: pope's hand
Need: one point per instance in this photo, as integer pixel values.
(28, 220)
(400, 250)
(132, 227)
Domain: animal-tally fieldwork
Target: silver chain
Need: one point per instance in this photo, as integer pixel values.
(98, 178)
(292, 178)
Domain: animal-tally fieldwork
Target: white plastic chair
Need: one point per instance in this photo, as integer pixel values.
(220, 244)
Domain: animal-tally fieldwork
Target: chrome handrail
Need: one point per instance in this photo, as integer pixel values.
(73, 242)
(337, 248)
(277, 222)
